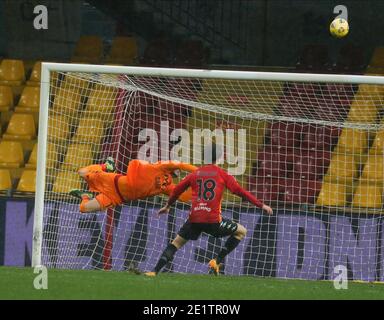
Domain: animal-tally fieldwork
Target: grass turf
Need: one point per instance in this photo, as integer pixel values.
(17, 283)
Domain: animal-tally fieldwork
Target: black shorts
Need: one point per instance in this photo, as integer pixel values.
(192, 231)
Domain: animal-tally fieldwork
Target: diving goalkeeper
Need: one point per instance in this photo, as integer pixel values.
(208, 184)
(143, 180)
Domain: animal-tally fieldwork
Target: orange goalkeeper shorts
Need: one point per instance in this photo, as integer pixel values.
(106, 184)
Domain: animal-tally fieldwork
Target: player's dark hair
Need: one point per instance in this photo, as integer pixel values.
(212, 153)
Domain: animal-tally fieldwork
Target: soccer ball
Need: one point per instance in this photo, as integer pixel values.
(339, 28)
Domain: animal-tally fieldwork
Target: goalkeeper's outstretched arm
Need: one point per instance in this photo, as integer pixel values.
(175, 165)
(176, 193)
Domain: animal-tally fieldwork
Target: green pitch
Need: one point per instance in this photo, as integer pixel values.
(17, 283)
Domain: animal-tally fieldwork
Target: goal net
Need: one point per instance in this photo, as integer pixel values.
(310, 146)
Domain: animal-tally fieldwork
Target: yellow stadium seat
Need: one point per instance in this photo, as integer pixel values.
(35, 77)
(66, 181)
(378, 143)
(368, 196)
(5, 180)
(343, 167)
(12, 72)
(89, 49)
(27, 182)
(52, 153)
(32, 161)
(6, 104)
(363, 110)
(68, 101)
(101, 103)
(11, 154)
(21, 127)
(123, 51)
(29, 100)
(78, 156)
(6, 98)
(333, 194)
(71, 81)
(371, 91)
(51, 159)
(377, 59)
(353, 141)
(373, 170)
(58, 128)
(90, 130)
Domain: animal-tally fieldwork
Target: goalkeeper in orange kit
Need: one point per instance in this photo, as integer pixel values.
(143, 180)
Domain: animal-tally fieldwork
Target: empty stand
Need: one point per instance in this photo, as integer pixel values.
(68, 101)
(27, 182)
(353, 141)
(377, 61)
(58, 129)
(32, 160)
(378, 143)
(368, 196)
(123, 51)
(362, 110)
(314, 57)
(267, 189)
(373, 170)
(343, 167)
(316, 137)
(11, 154)
(29, 100)
(100, 103)
(6, 98)
(75, 84)
(21, 127)
(333, 194)
(311, 165)
(284, 135)
(35, 77)
(6, 104)
(78, 156)
(12, 72)
(157, 53)
(350, 59)
(191, 53)
(299, 191)
(89, 130)
(89, 49)
(66, 181)
(5, 180)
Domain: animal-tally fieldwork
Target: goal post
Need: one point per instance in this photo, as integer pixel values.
(310, 145)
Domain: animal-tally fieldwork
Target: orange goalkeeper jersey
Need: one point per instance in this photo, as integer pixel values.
(144, 179)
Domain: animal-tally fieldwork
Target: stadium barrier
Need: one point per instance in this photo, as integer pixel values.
(290, 244)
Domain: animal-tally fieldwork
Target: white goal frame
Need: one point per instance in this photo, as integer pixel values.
(47, 68)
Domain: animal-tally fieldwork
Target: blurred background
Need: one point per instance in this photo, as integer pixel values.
(190, 32)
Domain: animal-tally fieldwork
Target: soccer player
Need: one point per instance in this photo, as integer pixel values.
(208, 184)
(143, 179)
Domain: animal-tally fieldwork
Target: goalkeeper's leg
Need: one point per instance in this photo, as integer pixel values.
(109, 166)
(88, 203)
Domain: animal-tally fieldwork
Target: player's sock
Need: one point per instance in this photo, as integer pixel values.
(229, 246)
(166, 256)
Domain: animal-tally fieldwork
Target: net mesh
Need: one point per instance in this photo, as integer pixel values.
(313, 151)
